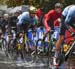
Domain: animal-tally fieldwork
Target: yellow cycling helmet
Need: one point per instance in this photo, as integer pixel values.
(32, 9)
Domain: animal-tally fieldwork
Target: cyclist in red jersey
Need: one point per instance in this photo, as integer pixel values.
(39, 12)
(52, 18)
(40, 15)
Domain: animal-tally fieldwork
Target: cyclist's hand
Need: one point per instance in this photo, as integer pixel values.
(48, 29)
(52, 31)
(59, 20)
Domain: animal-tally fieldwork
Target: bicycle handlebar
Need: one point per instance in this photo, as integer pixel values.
(50, 32)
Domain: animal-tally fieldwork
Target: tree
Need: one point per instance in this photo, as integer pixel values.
(2, 2)
(13, 3)
(47, 4)
(26, 2)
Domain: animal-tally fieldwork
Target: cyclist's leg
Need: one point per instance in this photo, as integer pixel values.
(25, 28)
(58, 45)
(19, 28)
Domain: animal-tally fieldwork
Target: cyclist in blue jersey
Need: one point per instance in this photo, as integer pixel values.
(67, 19)
(27, 18)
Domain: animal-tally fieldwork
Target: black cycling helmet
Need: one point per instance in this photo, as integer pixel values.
(58, 5)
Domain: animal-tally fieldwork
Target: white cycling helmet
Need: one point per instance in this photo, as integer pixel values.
(6, 15)
(58, 5)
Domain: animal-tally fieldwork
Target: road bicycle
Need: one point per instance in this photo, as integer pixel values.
(3, 43)
(11, 42)
(39, 53)
(23, 45)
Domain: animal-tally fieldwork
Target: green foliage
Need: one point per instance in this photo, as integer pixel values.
(13, 3)
(47, 4)
(2, 2)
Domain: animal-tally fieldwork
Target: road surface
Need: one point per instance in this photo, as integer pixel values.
(6, 63)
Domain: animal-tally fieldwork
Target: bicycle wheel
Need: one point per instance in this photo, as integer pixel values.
(28, 55)
(50, 50)
(38, 53)
(40, 47)
(50, 57)
(12, 49)
(3, 45)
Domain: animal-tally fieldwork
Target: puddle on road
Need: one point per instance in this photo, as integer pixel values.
(70, 64)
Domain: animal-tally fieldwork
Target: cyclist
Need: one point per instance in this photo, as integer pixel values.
(53, 17)
(5, 22)
(67, 19)
(40, 14)
(52, 20)
(27, 18)
(13, 19)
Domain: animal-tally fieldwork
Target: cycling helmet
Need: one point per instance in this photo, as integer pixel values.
(58, 5)
(18, 11)
(32, 9)
(5, 15)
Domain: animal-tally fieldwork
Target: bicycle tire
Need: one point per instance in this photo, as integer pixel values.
(50, 52)
(27, 55)
(12, 49)
(3, 45)
(41, 49)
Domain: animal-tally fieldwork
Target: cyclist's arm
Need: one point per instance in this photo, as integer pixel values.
(36, 21)
(46, 19)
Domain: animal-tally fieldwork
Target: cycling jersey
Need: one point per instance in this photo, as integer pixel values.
(68, 18)
(51, 17)
(26, 18)
(69, 13)
(39, 13)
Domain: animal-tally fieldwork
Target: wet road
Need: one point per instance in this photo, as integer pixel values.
(6, 63)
